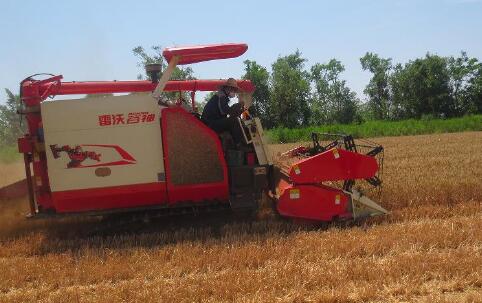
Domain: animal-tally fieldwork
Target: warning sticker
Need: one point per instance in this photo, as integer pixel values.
(336, 153)
(337, 199)
(294, 193)
(296, 169)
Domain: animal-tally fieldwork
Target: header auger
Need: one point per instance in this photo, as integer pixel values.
(134, 153)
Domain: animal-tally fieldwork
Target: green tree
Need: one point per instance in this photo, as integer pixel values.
(290, 92)
(474, 91)
(463, 75)
(11, 127)
(259, 76)
(378, 89)
(422, 87)
(333, 101)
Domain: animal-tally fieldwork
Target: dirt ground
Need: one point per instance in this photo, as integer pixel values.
(11, 172)
(429, 249)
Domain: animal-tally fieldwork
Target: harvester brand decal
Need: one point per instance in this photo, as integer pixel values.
(297, 170)
(130, 118)
(294, 193)
(337, 199)
(336, 153)
(77, 155)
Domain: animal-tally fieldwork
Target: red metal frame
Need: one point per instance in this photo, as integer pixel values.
(34, 92)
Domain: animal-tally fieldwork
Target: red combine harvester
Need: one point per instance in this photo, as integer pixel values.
(133, 153)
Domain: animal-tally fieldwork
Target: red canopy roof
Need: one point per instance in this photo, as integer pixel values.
(200, 53)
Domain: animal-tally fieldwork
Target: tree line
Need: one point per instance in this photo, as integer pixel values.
(292, 95)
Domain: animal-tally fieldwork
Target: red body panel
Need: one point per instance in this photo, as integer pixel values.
(333, 165)
(319, 203)
(106, 198)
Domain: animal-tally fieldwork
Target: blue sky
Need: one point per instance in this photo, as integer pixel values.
(93, 40)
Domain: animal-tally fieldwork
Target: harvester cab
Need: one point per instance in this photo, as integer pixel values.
(129, 153)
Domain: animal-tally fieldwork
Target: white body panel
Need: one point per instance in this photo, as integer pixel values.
(128, 124)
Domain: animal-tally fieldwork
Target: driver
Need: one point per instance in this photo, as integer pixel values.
(221, 117)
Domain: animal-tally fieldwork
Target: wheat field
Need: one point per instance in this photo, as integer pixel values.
(429, 249)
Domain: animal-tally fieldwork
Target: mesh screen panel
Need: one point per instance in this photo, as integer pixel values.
(192, 153)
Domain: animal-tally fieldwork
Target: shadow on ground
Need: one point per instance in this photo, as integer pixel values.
(126, 231)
